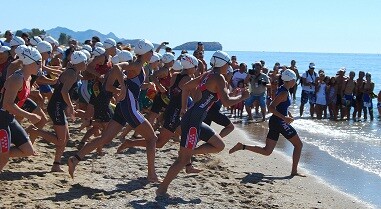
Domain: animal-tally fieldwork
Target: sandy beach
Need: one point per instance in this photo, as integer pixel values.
(240, 180)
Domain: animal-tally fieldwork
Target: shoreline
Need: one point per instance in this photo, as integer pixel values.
(240, 180)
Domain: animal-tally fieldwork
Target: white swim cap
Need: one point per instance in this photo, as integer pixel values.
(230, 69)
(98, 51)
(288, 75)
(35, 40)
(123, 56)
(118, 51)
(4, 49)
(17, 41)
(87, 48)
(177, 66)
(50, 40)
(143, 46)
(44, 46)
(88, 55)
(98, 44)
(155, 57)
(115, 60)
(189, 61)
(19, 50)
(28, 55)
(168, 57)
(59, 50)
(108, 43)
(78, 57)
(219, 59)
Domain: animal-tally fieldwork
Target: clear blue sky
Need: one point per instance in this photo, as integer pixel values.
(246, 25)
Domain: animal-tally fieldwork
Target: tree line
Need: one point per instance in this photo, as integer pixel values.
(62, 40)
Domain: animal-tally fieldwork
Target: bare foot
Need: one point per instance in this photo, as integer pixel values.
(298, 174)
(191, 169)
(71, 163)
(125, 145)
(161, 192)
(56, 168)
(100, 152)
(154, 179)
(236, 147)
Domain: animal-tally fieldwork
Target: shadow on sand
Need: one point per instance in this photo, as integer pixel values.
(255, 178)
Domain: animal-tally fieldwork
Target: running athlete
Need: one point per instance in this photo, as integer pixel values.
(279, 123)
(126, 110)
(60, 104)
(209, 87)
(13, 95)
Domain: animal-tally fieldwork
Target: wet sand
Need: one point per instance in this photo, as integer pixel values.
(240, 180)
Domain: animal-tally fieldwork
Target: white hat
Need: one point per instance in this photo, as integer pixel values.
(35, 40)
(288, 75)
(167, 58)
(143, 46)
(155, 57)
(98, 51)
(123, 56)
(59, 50)
(115, 60)
(29, 55)
(312, 65)
(219, 59)
(98, 44)
(177, 66)
(17, 41)
(4, 49)
(189, 61)
(19, 50)
(87, 48)
(118, 51)
(44, 46)
(50, 39)
(78, 57)
(88, 55)
(108, 43)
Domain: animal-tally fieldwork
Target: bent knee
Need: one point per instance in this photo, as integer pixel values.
(267, 152)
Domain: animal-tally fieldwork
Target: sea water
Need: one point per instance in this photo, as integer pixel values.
(344, 154)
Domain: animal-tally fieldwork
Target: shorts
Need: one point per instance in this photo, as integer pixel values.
(214, 115)
(172, 116)
(308, 96)
(56, 111)
(260, 98)
(11, 132)
(45, 89)
(378, 104)
(29, 105)
(278, 126)
(348, 100)
(126, 111)
(367, 101)
(158, 104)
(103, 112)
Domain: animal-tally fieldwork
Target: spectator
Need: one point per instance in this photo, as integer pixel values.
(8, 37)
(308, 89)
(239, 75)
(234, 64)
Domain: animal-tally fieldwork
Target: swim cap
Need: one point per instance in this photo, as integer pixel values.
(50, 40)
(98, 44)
(288, 75)
(230, 69)
(123, 56)
(20, 49)
(189, 61)
(108, 43)
(155, 57)
(87, 48)
(143, 46)
(177, 66)
(28, 55)
(78, 57)
(219, 59)
(98, 51)
(59, 50)
(44, 46)
(35, 40)
(17, 41)
(88, 55)
(4, 49)
(167, 58)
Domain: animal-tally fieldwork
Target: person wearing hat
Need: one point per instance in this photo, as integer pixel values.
(126, 110)
(259, 83)
(308, 81)
(209, 88)
(279, 123)
(101, 64)
(13, 95)
(61, 105)
(5, 58)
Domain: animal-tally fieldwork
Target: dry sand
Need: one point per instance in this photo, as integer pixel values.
(240, 180)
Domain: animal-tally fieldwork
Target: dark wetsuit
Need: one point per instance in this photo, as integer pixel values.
(57, 105)
(277, 125)
(192, 126)
(172, 112)
(126, 111)
(214, 115)
(101, 69)
(102, 108)
(10, 130)
(158, 103)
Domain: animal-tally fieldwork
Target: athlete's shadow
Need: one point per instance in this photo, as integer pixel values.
(163, 202)
(11, 176)
(255, 178)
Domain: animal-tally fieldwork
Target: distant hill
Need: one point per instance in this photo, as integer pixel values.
(208, 46)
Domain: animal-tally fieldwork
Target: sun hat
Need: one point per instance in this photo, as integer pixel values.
(312, 65)
(143, 46)
(219, 59)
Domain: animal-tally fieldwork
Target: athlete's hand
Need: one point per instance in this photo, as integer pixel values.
(121, 95)
(34, 118)
(245, 94)
(288, 120)
(71, 112)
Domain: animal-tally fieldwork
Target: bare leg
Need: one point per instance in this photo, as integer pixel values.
(226, 130)
(4, 157)
(298, 145)
(214, 145)
(249, 114)
(266, 150)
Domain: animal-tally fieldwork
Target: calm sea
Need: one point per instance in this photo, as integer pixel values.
(344, 154)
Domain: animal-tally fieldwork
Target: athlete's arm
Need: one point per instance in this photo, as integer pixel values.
(277, 100)
(93, 63)
(223, 92)
(68, 79)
